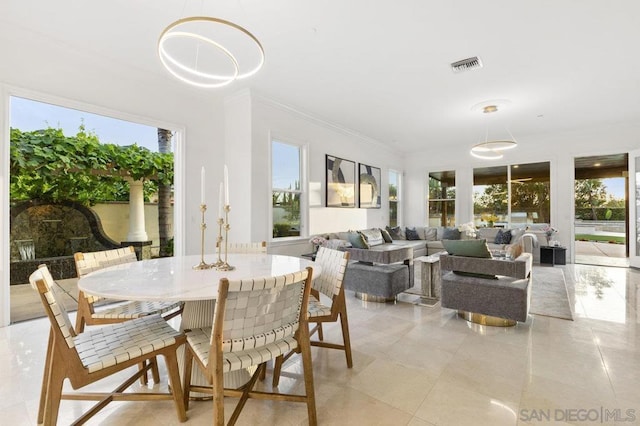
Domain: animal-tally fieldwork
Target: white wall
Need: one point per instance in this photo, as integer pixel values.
(251, 122)
(271, 119)
(559, 149)
(41, 69)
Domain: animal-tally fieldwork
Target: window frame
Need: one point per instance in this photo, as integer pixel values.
(398, 200)
(302, 192)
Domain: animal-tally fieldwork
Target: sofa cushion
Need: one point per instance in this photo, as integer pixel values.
(467, 248)
(428, 233)
(385, 253)
(516, 234)
(343, 235)
(357, 240)
(386, 236)
(503, 237)
(336, 244)
(397, 233)
(411, 234)
(373, 236)
(451, 234)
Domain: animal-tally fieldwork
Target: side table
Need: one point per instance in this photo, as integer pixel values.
(311, 256)
(553, 255)
(429, 279)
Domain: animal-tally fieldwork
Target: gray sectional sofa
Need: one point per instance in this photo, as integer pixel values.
(429, 241)
(382, 266)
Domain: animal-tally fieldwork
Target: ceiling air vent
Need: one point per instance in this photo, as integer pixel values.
(466, 64)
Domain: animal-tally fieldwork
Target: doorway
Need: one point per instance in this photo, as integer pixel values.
(42, 230)
(601, 219)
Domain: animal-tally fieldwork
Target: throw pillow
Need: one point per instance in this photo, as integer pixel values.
(397, 233)
(468, 248)
(513, 250)
(503, 237)
(451, 234)
(516, 234)
(411, 234)
(373, 237)
(357, 240)
(386, 236)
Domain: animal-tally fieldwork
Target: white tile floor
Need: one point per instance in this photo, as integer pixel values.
(418, 365)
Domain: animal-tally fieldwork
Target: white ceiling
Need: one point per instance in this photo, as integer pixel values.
(381, 68)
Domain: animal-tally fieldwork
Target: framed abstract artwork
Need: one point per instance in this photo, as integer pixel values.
(370, 181)
(341, 182)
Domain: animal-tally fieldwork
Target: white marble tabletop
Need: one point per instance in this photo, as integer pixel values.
(173, 278)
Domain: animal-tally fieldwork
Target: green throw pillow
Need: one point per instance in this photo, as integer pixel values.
(468, 248)
(357, 240)
(386, 236)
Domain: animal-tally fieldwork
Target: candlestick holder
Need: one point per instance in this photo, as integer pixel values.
(219, 262)
(225, 265)
(203, 226)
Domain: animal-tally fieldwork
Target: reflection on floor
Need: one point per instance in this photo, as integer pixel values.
(417, 365)
(602, 254)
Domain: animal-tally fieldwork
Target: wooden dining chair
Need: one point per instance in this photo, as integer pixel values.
(87, 357)
(255, 321)
(329, 284)
(87, 312)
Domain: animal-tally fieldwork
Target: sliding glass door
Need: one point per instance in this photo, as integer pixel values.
(634, 209)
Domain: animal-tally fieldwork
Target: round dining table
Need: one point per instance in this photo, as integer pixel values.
(175, 279)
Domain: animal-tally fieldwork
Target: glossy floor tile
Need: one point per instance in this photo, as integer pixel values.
(416, 365)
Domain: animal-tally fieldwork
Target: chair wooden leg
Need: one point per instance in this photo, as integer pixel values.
(305, 350)
(45, 378)
(54, 391)
(263, 374)
(174, 382)
(245, 394)
(277, 368)
(155, 373)
(143, 379)
(186, 380)
(345, 338)
(218, 399)
(320, 333)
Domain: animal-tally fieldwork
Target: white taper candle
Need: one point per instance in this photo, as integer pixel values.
(202, 186)
(220, 202)
(226, 185)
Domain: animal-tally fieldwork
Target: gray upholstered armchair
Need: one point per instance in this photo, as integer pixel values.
(487, 291)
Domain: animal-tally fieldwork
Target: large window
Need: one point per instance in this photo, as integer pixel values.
(442, 199)
(394, 197)
(515, 195)
(286, 186)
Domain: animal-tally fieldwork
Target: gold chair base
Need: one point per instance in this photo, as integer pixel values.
(486, 319)
(370, 298)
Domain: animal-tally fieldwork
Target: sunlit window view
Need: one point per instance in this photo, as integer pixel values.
(286, 193)
(516, 195)
(82, 182)
(394, 198)
(442, 198)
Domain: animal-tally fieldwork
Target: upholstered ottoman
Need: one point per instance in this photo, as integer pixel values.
(375, 282)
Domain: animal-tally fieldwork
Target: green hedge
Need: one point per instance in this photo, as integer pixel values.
(602, 213)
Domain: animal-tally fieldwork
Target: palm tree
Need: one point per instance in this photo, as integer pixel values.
(164, 199)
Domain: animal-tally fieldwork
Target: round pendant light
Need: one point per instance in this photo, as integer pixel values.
(209, 52)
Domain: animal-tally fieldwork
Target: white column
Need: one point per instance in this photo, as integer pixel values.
(137, 230)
